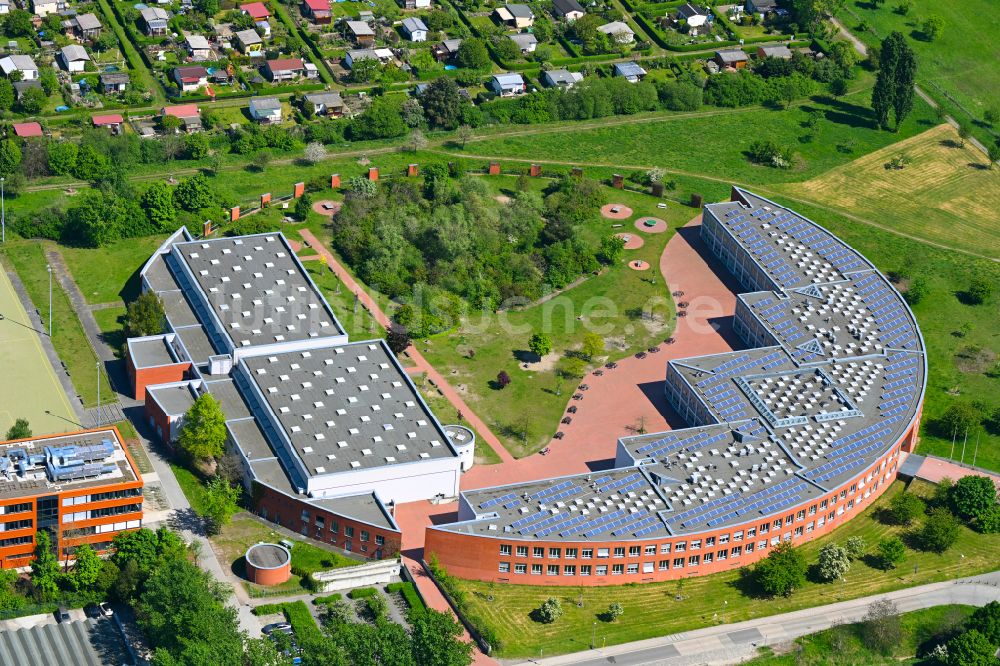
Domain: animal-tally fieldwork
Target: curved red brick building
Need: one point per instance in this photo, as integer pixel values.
(268, 564)
(790, 437)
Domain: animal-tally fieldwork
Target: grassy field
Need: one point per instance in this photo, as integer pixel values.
(961, 62)
(714, 141)
(842, 646)
(357, 322)
(946, 194)
(651, 609)
(68, 338)
(471, 355)
(110, 274)
(30, 388)
(448, 414)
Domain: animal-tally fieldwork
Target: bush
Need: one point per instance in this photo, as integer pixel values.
(939, 532)
(550, 611)
(410, 595)
(904, 508)
(328, 599)
(769, 153)
(362, 593)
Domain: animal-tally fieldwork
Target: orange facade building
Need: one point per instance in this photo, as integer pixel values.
(81, 487)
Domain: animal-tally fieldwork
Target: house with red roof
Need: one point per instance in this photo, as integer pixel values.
(112, 121)
(318, 11)
(25, 130)
(188, 114)
(284, 69)
(259, 12)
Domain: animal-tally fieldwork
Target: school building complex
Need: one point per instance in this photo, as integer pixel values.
(788, 438)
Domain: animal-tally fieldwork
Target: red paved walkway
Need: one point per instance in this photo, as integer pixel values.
(935, 469)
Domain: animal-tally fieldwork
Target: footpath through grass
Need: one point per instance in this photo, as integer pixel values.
(842, 645)
(651, 609)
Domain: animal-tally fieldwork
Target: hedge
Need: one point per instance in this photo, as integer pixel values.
(297, 614)
(328, 599)
(409, 592)
(362, 593)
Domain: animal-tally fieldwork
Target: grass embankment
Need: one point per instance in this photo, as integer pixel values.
(842, 645)
(110, 274)
(651, 609)
(68, 337)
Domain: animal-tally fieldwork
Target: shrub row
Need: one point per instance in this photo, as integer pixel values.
(328, 599)
(409, 592)
(362, 593)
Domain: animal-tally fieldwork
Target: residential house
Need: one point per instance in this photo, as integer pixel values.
(112, 121)
(260, 14)
(20, 87)
(446, 50)
(561, 78)
(19, 63)
(355, 55)
(326, 103)
(4, 6)
(113, 82)
(780, 51)
(317, 11)
(569, 10)
(188, 114)
(761, 6)
(311, 70)
(515, 16)
(198, 47)
(698, 19)
(27, 130)
(731, 58)
(154, 20)
(85, 26)
(361, 33)
(73, 58)
(507, 85)
(283, 69)
(221, 77)
(618, 31)
(416, 4)
(249, 41)
(630, 71)
(414, 29)
(45, 7)
(265, 109)
(525, 41)
(190, 78)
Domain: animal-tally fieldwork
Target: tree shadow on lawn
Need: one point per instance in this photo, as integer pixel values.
(526, 356)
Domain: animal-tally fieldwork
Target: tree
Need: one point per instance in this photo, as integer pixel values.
(550, 610)
(144, 315)
(62, 157)
(906, 507)
(593, 345)
(362, 188)
(303, 206)
(465, 133)
(437, 640)
(970, 648)
(381, 120)
(18, 24)
(503, 379)
(939, 532)
(87, 568)
(612, 249)
(416, 141)
(893, 89)
(958, 418)
(890, 552)
(20, 430)
(6, 95)
(989, 521)
(980, 290)
(10, 157)
(33, 101)
(615, 611)
(932, 27)
(194, 193)
(196, 146)
(261, 159)
(986, 620)
(220, 502)
(993, 153)
(781, 571)
(262, 651)
(139, 547)
(442, 103)
(315, 152)
(834, 562)
(973, 495)
(45, 567)
(398, 338)
(540, 344)
(203, 434)
(880, 628)
(158, 202)
(472, 54)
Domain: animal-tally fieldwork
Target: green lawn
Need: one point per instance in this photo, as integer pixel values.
(447, 414)
(712, 142)
(651, 609)
(961, 62)
(842, 645)
(357, 322)
(609, 304)
(109, 274)
(68, 337)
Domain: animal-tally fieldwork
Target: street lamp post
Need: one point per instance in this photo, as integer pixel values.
(98, 412)
(3, 214)
(593, 638)
(49, 267)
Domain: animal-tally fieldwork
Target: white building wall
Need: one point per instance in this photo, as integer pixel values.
(407, 482)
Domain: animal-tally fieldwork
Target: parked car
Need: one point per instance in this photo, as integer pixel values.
(282, 627)
(62, 615)
(95, 611)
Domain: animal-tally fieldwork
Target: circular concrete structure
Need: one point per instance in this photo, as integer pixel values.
(632, 241)
(268, 564)
(616, 211)
(464, 441)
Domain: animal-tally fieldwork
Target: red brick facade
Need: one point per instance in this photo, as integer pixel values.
(162, 374)
(595, 563)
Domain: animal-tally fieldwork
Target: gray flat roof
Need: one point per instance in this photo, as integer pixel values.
(79, 643)
(177, 309)
(365, 508)
(267, 555)
(150, 353)
(258, 290)
(173, 399)
(232, 403)
(197, 343)
(347, 407)
(110, 466)
(158, 275)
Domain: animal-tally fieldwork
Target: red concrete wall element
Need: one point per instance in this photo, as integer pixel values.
(287, 512)
(536, 170)
(479, 558)
(234, 213)
(618, 181)
(158, 420)
(300, 189)
(265, 199)
(494, 168)
(412, 170)
(163, 374)
(206, 229)
(373, 173)
(334, 181)
(268, 576)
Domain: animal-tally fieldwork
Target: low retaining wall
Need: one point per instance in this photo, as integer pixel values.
(362, 575)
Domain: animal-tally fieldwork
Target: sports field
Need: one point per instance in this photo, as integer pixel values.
(29, 387)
